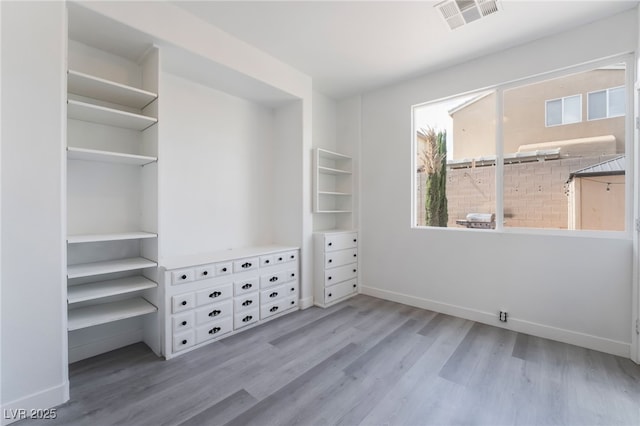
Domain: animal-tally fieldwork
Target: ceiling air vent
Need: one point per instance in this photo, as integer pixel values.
(460, 12)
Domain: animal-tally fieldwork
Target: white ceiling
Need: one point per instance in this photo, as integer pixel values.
(349, 47)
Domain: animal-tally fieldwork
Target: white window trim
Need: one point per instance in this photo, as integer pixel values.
(563, 123)
(607, 90)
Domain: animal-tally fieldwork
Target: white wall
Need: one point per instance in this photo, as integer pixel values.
(34, 370)
(216, 170)
(565, 287)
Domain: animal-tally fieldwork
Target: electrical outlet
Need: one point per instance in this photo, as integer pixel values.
(502, 316)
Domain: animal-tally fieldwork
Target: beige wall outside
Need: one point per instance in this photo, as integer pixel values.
(524, 116)
(535, 195)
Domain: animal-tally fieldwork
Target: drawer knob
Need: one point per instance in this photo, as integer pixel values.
(184, 342)
(205, 273)
(330, 260)
(293, 302)
(330, 244)
(274, 294)
(355, 255)
(292, 257)
(183, 303)
(215, 313)
(267, 261)
(247, 318)
(355, 240)
(280, 259)
(247, 286)
(293, 289)
(247, 302)
(246, 265)
(355, 285)
(215, 294)
(183, 323)
(293, 274)
(273, 279)
(330, 295)
(224, 269)
(214, 330)
(354, 270)
(184, 277)
(328, 278)
(275, 308)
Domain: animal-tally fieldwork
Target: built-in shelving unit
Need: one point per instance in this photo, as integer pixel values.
(333, 183)
(112, 186)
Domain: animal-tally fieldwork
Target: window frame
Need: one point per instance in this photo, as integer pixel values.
(562, 123)
(607, 115)
(499, 88)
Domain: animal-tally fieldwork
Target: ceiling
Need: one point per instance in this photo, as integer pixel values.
(349, 47)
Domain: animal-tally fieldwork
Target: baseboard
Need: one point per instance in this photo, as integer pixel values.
(588, 341)
(43, 400)
(306, 303)
(110, 343)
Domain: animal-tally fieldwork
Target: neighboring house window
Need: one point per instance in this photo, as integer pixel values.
(565, 110)
(606, 103)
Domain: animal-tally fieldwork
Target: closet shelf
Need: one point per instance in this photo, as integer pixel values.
(74, 153)
(111, 117)
(98, 88)
(333, 211)
(332, 171)
(333, 193)
(100, 289)
(88, 316)
(94, 238)
(108, 267)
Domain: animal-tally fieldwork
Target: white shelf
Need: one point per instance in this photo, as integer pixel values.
(108, 312)
(94, 238)
(100, 289)
(333, 211)
(108, 267)
(332, 155)
(97, 88)
(333, 193)
(112, 117)
(331, 171)
(74, 153)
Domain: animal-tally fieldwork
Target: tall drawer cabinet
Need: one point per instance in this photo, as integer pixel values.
(335, 266)
(213, 296)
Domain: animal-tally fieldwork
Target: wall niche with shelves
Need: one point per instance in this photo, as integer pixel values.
(112, 233)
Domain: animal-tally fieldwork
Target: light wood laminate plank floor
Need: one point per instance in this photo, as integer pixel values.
(365, 361)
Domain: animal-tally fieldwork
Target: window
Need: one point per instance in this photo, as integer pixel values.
(565, 110)
(476, 169)
(606, 103)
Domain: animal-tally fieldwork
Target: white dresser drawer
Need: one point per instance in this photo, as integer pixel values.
(182, 302)
(223, 268)
(277, 293)
(205, 272)
(280, 258)
(182, 321)
(248, 264)
(278, 278)
(274, 308)
(246, 301)
(339, 274)
(214, 329)
(213, 294)
(245, 318)
(245, 286)
(181, 276)
(214, 311)
(183, 340)
(340, 241)
(338, 291)
(291, 256)
(337, 258)
(267, 261)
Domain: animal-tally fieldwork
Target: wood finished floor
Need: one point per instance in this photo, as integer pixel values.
(365, 361)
